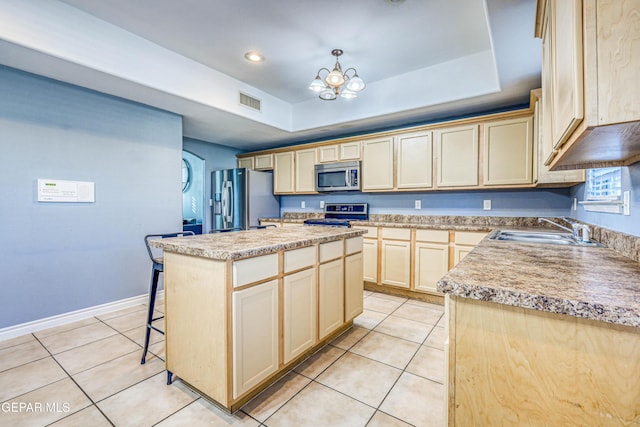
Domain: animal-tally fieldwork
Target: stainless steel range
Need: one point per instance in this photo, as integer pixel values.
(339, 214)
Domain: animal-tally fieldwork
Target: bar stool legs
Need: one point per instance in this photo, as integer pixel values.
(157, 269)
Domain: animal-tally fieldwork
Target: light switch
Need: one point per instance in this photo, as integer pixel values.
(486, 205)
(303, 204)
(321, 204)
(418, 204)
(626, 199)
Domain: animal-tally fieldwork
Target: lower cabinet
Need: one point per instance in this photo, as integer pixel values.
(370, 260)
(396, 257)
(465, 242)
(331, 297)
(353, 286)
(254, 335)
(299, 313)
(431, 263)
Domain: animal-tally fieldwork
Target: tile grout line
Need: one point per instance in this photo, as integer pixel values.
(77, 385)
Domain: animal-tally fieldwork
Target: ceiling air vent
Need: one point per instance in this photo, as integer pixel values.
(249, 101)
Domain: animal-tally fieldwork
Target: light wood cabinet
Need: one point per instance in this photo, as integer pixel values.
(465, 241)
(415, 160)
(457, 156)
(305, 179)
(245, 162)
(370, 260)
(396, 257)
(353, 286)
(254, 335)
(543, 148)
(299, 323)
(589, 61)
(508, 151)
(331, 297)
(339, 152)
(264, 161)
(377, 164)
(283, 173)
(431, 254)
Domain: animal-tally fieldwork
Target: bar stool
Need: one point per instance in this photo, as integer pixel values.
(157, 267)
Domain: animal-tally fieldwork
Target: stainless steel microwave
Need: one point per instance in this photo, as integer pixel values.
(342, 176)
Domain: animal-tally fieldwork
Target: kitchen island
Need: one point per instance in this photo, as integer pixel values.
(543, 335)
(243, 308)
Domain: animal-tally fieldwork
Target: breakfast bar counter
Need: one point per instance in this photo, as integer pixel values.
(242, 308)
(541, 334)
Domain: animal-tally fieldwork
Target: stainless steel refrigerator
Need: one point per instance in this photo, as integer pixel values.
(241, 196)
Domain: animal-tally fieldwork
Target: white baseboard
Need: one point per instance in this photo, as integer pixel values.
(72, 316)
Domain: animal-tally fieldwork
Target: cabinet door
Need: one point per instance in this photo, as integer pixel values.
(305, 172)
(460, 252)
(566, 68)
(300, 312)
(508, 152)
(353, 286)
(432, 262)
(370, 260)
(254, 335)
(331, 297)
(457, 156)
(264, 162)
(328, 153)
(396, 257)
(350, 151)
(415, 160)
(283, 173)
(245, 162)
(377, 164)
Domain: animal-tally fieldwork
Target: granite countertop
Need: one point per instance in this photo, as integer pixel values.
(251, 243)
(589, 282)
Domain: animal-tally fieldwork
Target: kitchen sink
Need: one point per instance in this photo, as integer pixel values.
(542, 237)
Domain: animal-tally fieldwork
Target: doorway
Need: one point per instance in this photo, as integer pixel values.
(193, 194)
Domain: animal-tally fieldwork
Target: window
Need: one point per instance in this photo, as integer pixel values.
(604, 184)
(603, 191)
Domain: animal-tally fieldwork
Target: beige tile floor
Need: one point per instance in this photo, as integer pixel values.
(388, 370)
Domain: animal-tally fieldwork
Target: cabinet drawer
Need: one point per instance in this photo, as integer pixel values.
(299, 258)
(469, 237)
(396, 233)
(255, 269)
(436, 236)
(353, 245)
(372, 232)
(330, 250)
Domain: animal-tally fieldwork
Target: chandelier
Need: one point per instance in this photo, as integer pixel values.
(332, 85)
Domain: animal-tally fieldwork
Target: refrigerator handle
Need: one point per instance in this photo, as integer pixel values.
(346, 177)
(227, 201)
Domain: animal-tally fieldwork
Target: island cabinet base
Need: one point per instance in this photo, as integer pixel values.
(516, 366)
(235, 326)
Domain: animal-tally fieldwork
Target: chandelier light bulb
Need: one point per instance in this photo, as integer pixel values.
(335, 78)
(356, 84)
(317, 85)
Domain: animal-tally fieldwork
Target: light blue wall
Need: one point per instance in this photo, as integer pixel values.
(535, 202)
(216, 157)
(61, 257)
(626, 224)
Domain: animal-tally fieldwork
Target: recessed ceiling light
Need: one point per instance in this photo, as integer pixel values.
(253, 56)
(394, 1)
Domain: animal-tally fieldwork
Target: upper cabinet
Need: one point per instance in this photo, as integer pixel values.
(263, 162)
(283, 174)
(377, 164)
(457, 156)
(339, 152)
(245, 162)
(590, 89)
(305, 171)
(415, 160)
(508, 151)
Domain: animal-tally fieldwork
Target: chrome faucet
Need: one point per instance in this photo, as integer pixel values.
(580, 232)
